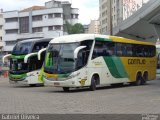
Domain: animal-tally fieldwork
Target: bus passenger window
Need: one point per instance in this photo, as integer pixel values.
(94, 54)
(111, 48)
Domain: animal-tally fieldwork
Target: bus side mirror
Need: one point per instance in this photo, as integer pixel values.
(6, 57)
(76, 51)
(28, 56)
(40, 52)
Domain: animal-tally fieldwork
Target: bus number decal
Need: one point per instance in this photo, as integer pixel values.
(82, 82)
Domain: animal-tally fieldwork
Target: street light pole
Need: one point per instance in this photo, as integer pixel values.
(142, 2)
(111, 26)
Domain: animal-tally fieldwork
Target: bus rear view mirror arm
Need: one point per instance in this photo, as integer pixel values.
(28, 56)
(40, 52)
(77, 50)
(6, 57)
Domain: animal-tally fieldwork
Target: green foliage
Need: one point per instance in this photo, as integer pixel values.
(74, 29)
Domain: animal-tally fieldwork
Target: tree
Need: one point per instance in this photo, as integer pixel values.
(77, 28)
(74, 29)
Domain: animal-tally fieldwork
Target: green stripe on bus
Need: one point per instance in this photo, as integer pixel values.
(18, 56)
(17, 76)
(116, 67)
(103, 39)
(40, 76)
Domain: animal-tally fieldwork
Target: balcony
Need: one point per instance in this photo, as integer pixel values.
(11, 25)
(48, 22)
(28, 35)
(8, 48)
(74, 11)
(10, 37)
(10, 14)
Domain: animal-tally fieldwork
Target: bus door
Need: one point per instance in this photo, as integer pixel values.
(82, 61)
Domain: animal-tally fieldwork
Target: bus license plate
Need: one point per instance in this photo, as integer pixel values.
(56, 84)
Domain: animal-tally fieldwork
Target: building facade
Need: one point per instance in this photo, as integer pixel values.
(111, 14)
(94, 27)
(86, 27)
(37, 22)
(1, 30)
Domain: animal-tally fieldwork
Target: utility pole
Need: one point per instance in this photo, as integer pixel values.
(142, 2)
(111, 26)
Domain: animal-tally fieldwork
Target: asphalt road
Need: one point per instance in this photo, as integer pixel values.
(105, 100)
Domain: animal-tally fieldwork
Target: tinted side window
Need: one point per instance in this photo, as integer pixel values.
(106, 48)
(39, 46)
(144, 50)
(123, 49)
(103, 48)
(134, 50)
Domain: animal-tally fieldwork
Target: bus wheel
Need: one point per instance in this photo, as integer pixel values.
(145, 78)
(66, 89)
(138, 80)
(93, 84)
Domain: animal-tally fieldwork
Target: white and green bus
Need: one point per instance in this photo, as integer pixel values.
(26, 60)
(91, 60)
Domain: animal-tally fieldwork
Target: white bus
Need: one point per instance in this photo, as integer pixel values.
(93, 60)
(26, 60)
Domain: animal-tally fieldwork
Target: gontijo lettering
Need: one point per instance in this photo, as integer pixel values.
(136, 61)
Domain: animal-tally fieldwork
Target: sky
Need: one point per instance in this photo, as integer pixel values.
(88, 9)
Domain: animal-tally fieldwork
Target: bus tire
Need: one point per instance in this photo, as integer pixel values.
(93, 84)
(66, 89)
(138, 80)
(145, 78)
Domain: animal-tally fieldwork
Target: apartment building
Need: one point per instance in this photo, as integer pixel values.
(1, 30)
(94, 27)
(111, 14)
(86, 28)
(37, 22)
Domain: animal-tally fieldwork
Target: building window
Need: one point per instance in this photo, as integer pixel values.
(7, 20)
(37, 29)
(13, 31)
(57, 27)
(0, 27)
(24, 24)
(76, 16)
(72, 16)
(57, 14)
(50, 16)
(11, 42)
(50, 28)
(37, 18)
(0, 38)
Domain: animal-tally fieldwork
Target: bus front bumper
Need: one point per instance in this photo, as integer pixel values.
(66, 83)
(22, 82)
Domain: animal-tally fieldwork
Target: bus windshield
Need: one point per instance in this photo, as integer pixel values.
(18, 66)
(60, 58)
(22, 48)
